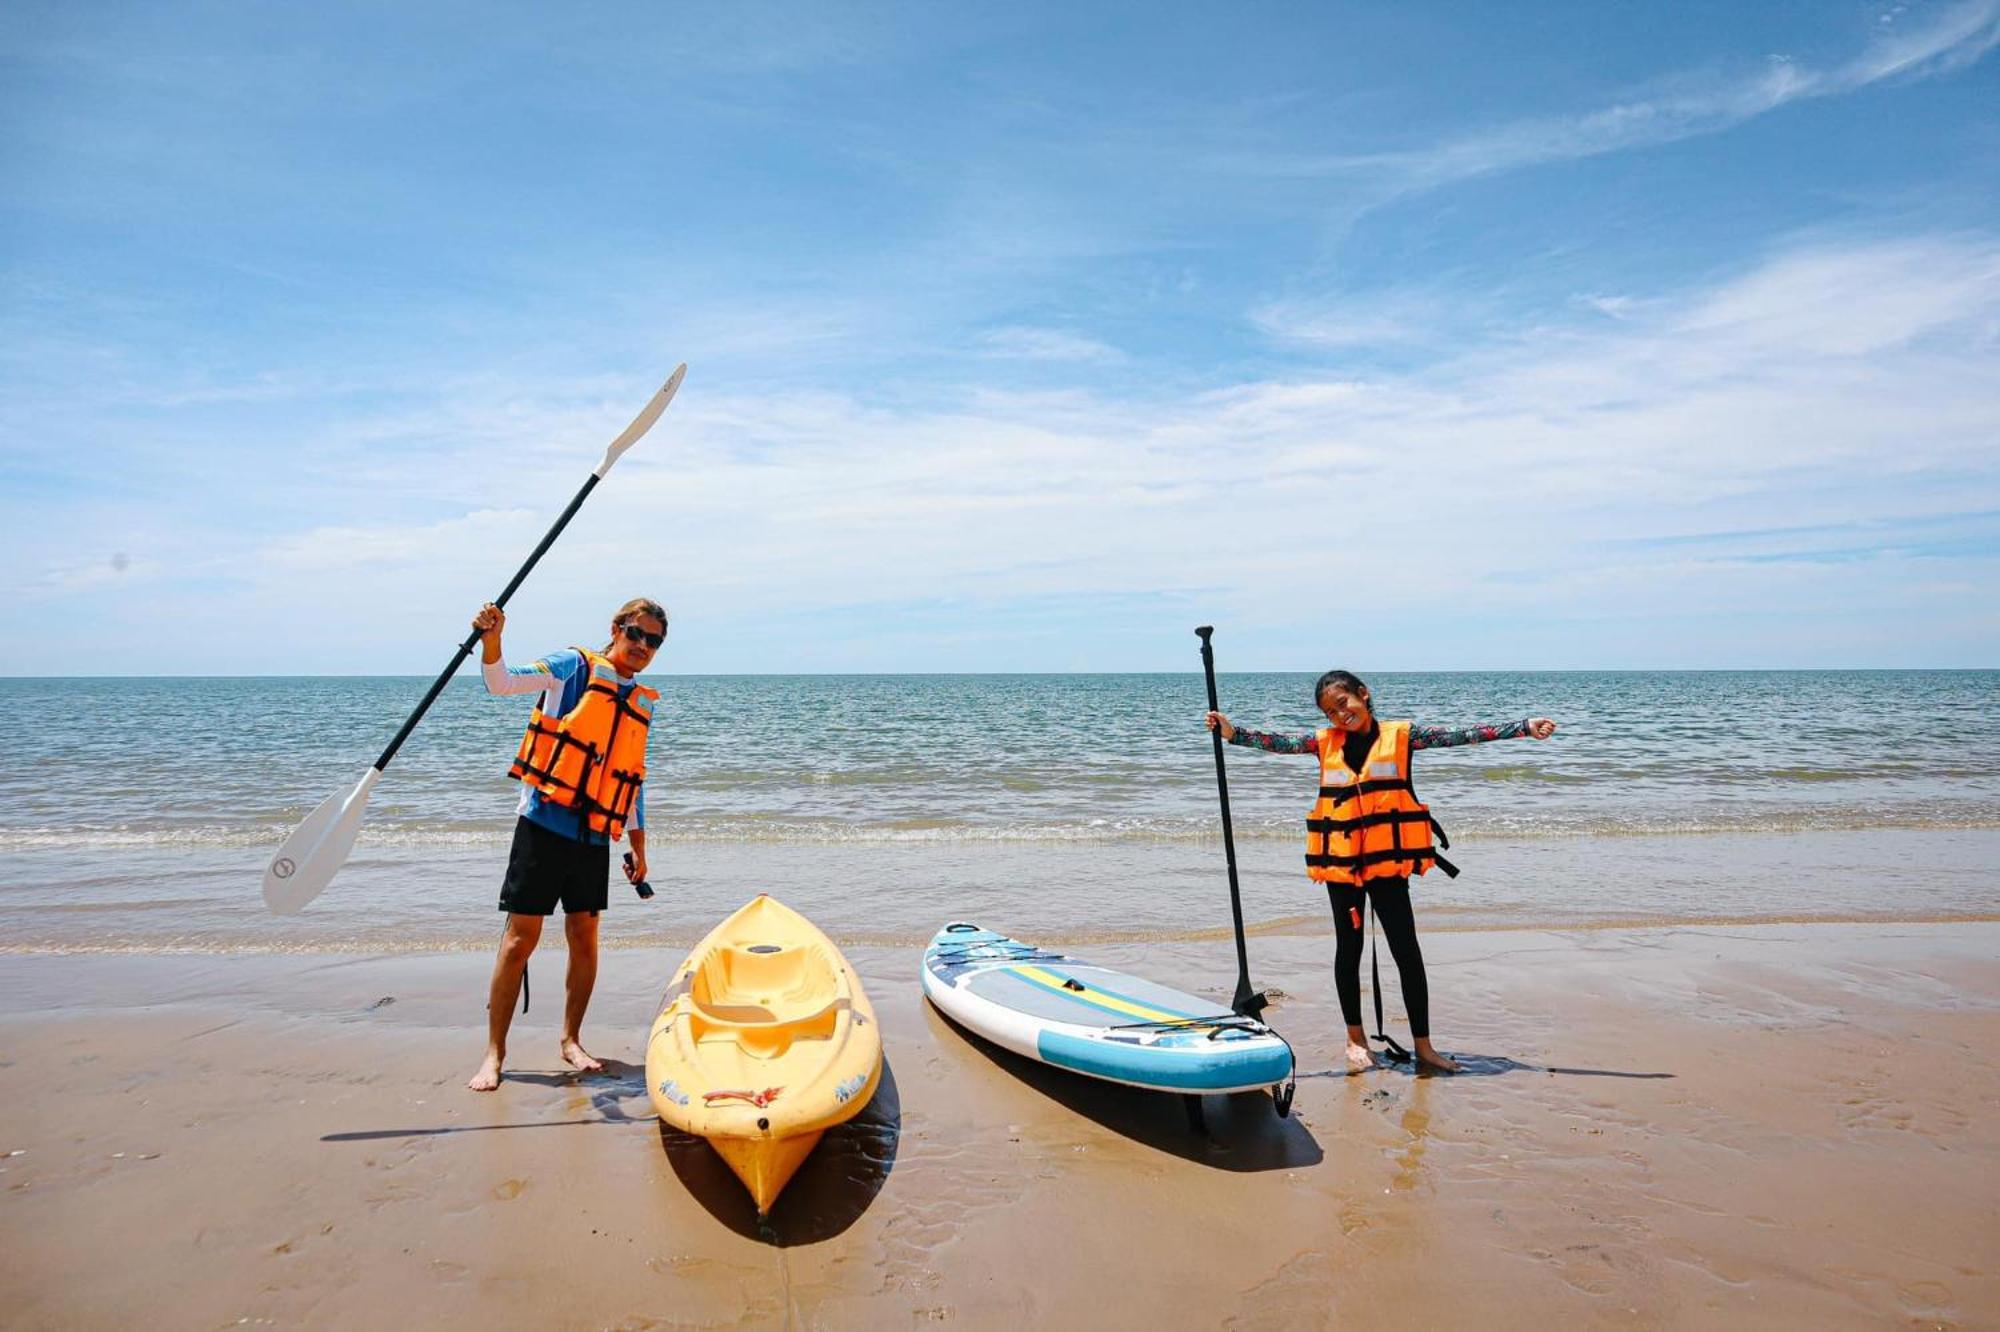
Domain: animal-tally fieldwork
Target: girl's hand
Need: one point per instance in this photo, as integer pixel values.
(1217, 722)
(1541, 727)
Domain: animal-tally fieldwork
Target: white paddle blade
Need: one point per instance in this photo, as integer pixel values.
(317, 848)
(643, 421)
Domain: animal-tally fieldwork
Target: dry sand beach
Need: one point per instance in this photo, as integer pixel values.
(1771, 1125)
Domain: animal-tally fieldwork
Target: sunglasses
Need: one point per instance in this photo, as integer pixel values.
(634, 634)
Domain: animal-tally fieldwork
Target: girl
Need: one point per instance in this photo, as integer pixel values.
(1367, 835)
(581, 767)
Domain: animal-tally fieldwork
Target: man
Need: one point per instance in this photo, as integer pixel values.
(581, 766)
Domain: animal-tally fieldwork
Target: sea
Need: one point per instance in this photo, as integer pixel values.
(136, 815)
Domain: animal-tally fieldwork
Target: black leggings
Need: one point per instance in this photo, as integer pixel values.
(1399, 926)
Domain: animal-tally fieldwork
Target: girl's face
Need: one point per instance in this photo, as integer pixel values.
(632, 654)
(1345, 708)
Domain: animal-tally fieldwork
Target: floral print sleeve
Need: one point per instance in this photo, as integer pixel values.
(1421, 737)
(1444, 737)
(1273, 743)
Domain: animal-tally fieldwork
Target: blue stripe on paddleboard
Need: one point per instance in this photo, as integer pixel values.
(1175, 1072)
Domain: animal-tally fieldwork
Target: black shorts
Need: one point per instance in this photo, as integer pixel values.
(545, 868)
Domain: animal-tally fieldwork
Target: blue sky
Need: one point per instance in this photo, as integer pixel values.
(1020, 337)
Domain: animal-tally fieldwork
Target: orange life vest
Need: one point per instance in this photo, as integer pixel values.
(1369, 824)
(592, 758)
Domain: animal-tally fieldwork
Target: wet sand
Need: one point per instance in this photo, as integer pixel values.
(1773, 1126)
(420, 898)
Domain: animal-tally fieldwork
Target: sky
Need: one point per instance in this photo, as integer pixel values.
(1020, 338)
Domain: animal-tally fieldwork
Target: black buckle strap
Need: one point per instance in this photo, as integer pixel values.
(624, 794)
(1420, 861)
(527, 768)
(1372, 858)
(1349, 792)
(549, 775)
(1369, 821)
(615, 812)
(538, 725)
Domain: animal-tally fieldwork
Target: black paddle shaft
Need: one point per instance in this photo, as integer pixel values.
(465, 648)
(1247, 1002)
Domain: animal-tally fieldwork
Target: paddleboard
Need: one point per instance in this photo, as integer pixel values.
(1099, 1022)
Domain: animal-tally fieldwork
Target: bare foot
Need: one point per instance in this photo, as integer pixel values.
(579, 1058)
(1431, 1059)
(1359, 1058)
(488, 1076)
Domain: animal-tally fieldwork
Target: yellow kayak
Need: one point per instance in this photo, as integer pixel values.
(763, 1042)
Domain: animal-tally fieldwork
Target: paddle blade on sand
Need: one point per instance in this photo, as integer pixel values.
(317, 848)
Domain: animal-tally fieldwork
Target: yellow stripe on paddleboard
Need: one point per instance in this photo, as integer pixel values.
(1102, 1000)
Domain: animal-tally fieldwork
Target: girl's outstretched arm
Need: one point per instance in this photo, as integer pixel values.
(1271, 743)
(1444, 737)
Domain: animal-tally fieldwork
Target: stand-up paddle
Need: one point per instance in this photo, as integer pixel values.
(1247, 1002)
(317, 848)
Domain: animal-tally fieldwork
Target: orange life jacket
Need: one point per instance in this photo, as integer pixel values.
(592, 758)
(1369, 824)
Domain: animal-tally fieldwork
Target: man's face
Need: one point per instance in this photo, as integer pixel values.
(634, 643)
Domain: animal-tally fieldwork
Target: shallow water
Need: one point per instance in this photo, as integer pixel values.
(1075, 805)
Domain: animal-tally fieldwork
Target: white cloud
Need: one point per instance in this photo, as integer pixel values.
(1351, 321)
(1611, 307)
(1047, 344)
(1682, 107)
(1848, 302)
(355, 549)
(1503, 498)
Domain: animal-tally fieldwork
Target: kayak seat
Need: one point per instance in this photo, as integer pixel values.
(764, 996)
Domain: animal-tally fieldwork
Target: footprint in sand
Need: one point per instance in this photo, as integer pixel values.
(509, 1189)
(1927, 1299)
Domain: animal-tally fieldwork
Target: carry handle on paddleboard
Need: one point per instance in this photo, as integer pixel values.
(1247, 1002)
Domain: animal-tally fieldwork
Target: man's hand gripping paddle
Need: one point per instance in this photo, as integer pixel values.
(317, 848)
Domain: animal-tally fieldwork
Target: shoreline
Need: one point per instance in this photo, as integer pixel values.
(1764, 1125)
(1284, 927)
(413, 902)
(708, 828)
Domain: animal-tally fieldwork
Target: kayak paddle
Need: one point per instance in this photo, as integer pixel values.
(317, 848)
